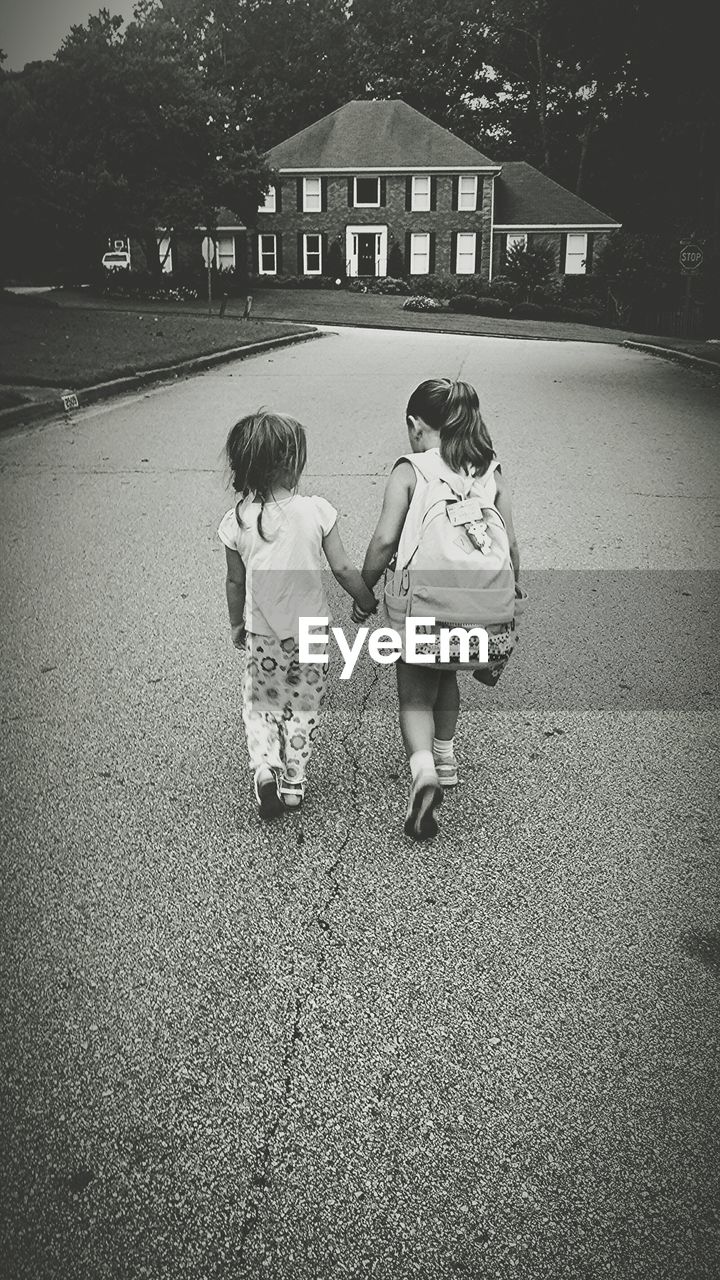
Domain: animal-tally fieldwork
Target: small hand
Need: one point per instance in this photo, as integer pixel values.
(238, 635)
(361, 615)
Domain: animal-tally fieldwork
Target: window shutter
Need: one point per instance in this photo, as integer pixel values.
(254, 253)
(453, 250)
(278, 254)
(323, 254)
(479, 194)
(408, 194)
(383, 192)
(563, 252)
(431, 263)
(478, 252)
(300, 202)
(300, 255)
(351, 193)
(433, 193)
(455, 185)
(278, 197)
(503, 252)
(589, 254)
(408, 253)
(323, 194)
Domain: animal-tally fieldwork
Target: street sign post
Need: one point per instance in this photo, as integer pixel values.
(208, 253)
(691, 258)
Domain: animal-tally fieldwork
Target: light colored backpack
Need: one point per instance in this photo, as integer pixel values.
(453, 559)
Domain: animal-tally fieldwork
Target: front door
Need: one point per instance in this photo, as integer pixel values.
(367, 253)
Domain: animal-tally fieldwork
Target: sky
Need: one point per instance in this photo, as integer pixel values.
(32, 29)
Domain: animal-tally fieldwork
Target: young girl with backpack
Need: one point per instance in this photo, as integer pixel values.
(447, 519)
(275, 541)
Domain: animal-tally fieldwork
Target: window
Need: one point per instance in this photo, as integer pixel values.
(267, 255)
(420, 253)
(367, 193)
(225, 253)
(165, 253)
(465, 253)
(467, 192)
(576, 254)
(269, 204)
(515, 238)
(312, 195)
(421, 193)
(312, 255)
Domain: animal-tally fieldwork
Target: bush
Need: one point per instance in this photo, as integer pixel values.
(582, 291)
(505, 289)
(357, 286)
(492, 307)
(141, 286)
(335, 262)
(419, 303)
(529, 311)
(396, 261)
(529, 268)
(40, 300)
(389, 284)
(437, 286)
(477, 286)
(464, 302)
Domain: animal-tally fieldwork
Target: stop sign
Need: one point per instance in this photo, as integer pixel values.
(208, 251)
(691, 257)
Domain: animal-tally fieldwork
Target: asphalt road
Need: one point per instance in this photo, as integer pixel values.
(317, 1051)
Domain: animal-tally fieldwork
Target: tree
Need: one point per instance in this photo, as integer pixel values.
(283, 64)
(431, 55)
(138, 135)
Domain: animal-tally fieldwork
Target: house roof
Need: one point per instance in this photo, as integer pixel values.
(525, 197)
(375, 135)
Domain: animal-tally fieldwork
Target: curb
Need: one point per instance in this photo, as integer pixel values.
(65, 404)
(670, 353)
(458, 333)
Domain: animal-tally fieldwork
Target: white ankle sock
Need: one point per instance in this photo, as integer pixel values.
(421, 762)
(443, 748)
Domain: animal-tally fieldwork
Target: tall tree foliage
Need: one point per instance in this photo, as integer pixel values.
(139, 135)
(432, 55)
(282, 63)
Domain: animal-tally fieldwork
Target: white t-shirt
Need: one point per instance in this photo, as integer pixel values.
(283, 574)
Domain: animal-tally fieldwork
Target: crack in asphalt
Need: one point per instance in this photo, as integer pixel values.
(260, 1180)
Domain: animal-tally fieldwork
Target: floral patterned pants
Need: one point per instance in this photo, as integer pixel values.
(281, 705)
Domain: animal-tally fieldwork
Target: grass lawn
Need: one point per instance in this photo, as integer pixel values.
(326, 306)
(73, 347)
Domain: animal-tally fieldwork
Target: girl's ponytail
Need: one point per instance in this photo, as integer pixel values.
(453, 409)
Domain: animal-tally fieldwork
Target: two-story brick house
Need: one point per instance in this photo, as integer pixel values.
(376, 188)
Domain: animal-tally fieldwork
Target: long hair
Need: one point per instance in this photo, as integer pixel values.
(263, 449)
(453, 409)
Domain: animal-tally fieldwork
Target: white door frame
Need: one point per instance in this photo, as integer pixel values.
(381, 243)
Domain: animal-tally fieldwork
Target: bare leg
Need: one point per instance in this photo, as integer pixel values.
(447, 705)
(417, 693)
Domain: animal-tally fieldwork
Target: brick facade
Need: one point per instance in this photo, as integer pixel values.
(443, 222)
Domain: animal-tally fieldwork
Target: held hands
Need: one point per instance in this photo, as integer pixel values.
(361, 615)
(238, 635)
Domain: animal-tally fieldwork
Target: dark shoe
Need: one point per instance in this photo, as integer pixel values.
(426, 795)
(266, 793)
